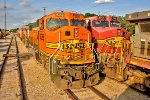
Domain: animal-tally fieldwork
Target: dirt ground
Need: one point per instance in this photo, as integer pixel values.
(40, 87)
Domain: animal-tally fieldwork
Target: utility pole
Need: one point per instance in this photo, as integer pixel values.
(44, 8)
(5, 16)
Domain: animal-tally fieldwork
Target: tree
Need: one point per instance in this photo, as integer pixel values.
(14, 30)
(89, 15)
(130, 27)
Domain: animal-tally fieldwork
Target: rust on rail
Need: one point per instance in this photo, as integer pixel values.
(103, 96)
(71, 94)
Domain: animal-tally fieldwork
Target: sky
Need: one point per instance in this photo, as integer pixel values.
(21, 12)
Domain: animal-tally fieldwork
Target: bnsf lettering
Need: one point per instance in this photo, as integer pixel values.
(111, 42)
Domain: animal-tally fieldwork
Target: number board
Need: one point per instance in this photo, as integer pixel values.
(60, 14)
(41, 36)
(74, 46)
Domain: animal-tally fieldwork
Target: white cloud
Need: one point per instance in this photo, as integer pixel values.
(25, 2)
(103, 1)
(14, 25)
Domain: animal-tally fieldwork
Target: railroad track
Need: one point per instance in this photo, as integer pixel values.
(147, 92)
(11, 70)
(98, 93)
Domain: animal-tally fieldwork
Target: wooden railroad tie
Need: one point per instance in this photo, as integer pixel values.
(18, 55)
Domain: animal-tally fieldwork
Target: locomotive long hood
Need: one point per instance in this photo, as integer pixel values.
(106, 32)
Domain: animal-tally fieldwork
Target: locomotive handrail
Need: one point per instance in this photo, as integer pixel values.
(101, 49)
(89, 45)
(120, 67)
(117, 49)
(59, 47)
(54, 52)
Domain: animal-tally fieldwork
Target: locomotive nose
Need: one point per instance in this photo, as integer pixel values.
(76, 32)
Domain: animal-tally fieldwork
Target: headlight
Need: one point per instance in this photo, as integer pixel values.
(119, 32)
(76, 32)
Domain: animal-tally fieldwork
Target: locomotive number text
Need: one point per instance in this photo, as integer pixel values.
(74, 46)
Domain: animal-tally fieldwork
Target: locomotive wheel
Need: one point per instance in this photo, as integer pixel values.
(37, 55)
(56, 77)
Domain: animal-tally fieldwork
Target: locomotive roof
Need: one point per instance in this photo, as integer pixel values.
(108, 18)
(138, 16)
(66, 15)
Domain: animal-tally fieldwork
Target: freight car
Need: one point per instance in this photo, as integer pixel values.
(138, 65)
(24, 34)
(62, 40)
(111, 43)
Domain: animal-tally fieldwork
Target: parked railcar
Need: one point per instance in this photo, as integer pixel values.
(138, 65)
(62, 40)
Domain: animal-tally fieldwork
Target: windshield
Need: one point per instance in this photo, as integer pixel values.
(114, 24)
(100, 23)
(78, 23)
(52, 23)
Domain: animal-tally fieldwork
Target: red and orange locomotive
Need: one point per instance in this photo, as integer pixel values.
(112, 44)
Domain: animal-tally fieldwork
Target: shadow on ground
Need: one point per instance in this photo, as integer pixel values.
(128, 94)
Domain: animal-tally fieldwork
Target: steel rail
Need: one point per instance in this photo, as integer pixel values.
(71, 94)
(21, 75)
(5, 59)
(100, 94)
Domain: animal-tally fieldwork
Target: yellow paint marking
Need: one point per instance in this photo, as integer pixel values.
(132, 62)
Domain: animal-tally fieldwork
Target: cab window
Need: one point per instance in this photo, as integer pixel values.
(100, 23)
(114, 24)
(42, 25)
(53, 23)
(78, 23)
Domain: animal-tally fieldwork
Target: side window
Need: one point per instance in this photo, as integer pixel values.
(145, 27)
(142, 47)
(148, 49)
(42, 25)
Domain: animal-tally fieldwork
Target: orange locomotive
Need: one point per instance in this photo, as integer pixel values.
(24, 34)
(63, 40)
